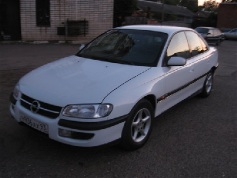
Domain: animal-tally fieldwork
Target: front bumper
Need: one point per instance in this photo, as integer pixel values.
(71, 131)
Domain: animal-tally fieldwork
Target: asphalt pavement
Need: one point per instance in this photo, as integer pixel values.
(195, 139)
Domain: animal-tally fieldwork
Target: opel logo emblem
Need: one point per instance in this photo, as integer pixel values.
(35, 106)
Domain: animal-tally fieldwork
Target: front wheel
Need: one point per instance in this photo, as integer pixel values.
(138, 127)
(208, 85)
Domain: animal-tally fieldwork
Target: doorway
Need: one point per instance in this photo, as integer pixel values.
(10, 26)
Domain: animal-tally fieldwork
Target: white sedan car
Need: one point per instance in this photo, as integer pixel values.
(115, 86)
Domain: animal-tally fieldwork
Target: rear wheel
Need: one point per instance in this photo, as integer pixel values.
(138, 127)
(208, 85)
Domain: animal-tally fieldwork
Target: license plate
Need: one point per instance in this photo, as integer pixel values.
(34, 124)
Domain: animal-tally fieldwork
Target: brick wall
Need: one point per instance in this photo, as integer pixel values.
(98, 13)
(227, 15)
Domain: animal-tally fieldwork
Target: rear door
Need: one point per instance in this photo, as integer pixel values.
(199, 61)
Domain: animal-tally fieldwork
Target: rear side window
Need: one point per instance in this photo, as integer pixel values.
(196, 47)
(178, 46)
(204, 46)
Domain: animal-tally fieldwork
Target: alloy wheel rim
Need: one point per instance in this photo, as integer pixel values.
(141, 125)
(209, 83)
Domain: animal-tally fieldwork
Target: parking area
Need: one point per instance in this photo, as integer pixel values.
(196, 138)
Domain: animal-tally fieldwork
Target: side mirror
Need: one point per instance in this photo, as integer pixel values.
(176, 61)
(81, 47)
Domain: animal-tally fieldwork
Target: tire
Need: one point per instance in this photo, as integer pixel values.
(137, 128)
(208, 85)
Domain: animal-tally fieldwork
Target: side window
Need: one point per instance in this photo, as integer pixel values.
(204, 46)
(194, 43)
(178, 46)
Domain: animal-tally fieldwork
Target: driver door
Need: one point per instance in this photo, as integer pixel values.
(176, 78)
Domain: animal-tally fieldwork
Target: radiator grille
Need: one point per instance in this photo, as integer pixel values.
(45, 109)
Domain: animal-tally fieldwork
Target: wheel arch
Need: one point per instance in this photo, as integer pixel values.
(152, 99)
(213, 69)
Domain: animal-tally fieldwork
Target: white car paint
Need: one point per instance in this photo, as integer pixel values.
(68, 77)
(77, 80)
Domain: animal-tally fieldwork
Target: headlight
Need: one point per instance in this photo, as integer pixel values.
(88, 111)
(16, 92)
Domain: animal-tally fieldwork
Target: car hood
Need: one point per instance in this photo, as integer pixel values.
(74, 80)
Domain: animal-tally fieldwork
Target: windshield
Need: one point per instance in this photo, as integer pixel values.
(134, 47)
(202, 30)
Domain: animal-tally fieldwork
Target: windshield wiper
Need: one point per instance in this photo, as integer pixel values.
(113, 60)
(120, 61)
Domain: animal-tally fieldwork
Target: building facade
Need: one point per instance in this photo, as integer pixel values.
(62, 20)
(167, 14)
(227, 15)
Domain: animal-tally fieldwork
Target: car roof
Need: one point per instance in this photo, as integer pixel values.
(165, 29)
